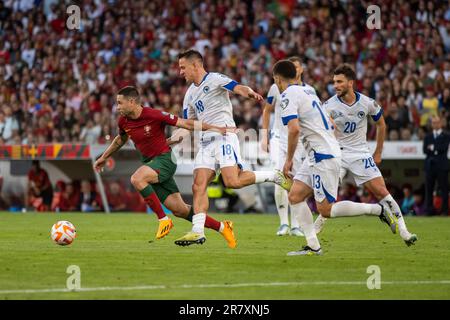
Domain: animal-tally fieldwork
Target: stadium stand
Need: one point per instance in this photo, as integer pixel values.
(58, 85)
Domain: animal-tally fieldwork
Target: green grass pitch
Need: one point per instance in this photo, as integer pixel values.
(117, 261)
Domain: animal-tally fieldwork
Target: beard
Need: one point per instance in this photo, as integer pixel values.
(343, 93)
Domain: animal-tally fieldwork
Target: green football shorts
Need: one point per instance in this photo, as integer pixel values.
(165, 168)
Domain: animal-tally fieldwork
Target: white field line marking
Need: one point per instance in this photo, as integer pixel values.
(233, 285)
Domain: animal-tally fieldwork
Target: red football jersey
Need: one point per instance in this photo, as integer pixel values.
(147, 131)
(40, 178)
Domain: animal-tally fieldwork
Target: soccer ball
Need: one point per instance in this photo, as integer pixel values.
(63, 233)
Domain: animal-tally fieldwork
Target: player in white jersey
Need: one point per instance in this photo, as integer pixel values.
(302, 110)
(350, 110)
(207, 99)
(276, 143)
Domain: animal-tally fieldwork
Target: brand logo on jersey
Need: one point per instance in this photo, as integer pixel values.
(361, 114)
(336, 114)
(206, 89)
(147, 129)
(284, 103)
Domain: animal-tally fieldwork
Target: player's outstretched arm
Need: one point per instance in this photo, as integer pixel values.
(177, 136)
(115, 145)
(381, 134)
(247, 92)
(192, 125)
(293, 135)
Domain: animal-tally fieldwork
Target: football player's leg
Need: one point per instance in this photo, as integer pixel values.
(175, 203)
(298, 194)
(202, 177)
(320, 220)
(142, 180)
(302, 174)
(229, 157)
(282, 204)
(277, 156)
(378, 187)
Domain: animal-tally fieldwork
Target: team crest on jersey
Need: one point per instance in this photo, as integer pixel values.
(361, 114)
(284, 103)
(147, 129)
(171, 116)
(206, 89)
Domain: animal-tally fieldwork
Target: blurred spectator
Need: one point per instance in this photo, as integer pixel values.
(429, 106)
(396, 119)
(40, 190)
(418, 208)
(8, 125)
(408, 199)
(70, 198)
(57, 196)
(117, 199)
(89, 200)
(435, 146)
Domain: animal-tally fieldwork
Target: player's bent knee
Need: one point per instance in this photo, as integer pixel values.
(381, 192)
(198, 188)
(232, 183)
(324, 209)
(135, 180)
(294, 198)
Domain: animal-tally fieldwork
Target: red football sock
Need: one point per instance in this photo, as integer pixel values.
(211, 223)
(152, 200)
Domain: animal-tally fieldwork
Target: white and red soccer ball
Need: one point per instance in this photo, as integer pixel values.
(63, 233)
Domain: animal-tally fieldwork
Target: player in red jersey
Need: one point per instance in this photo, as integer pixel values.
(154, 179)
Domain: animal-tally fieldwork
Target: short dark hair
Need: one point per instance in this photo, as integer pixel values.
(191, 54)
(346, 70)
(295, 59)
(285, 69)
(129, 92)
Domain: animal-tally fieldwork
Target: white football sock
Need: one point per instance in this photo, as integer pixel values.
(198, 223)
(264, 176)
(391, 203)
(294, 219)
(305, 220)
(281, 201)
(320, 221)
(222, 226)
(350, 209)
(164, 218)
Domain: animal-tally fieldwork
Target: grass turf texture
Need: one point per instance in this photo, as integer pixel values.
(114, 251)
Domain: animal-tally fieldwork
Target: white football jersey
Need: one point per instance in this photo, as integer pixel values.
(274, 98)
(210, 101)
(351, 121)
(316, 130)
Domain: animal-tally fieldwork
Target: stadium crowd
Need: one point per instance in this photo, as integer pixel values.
(58, 85)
